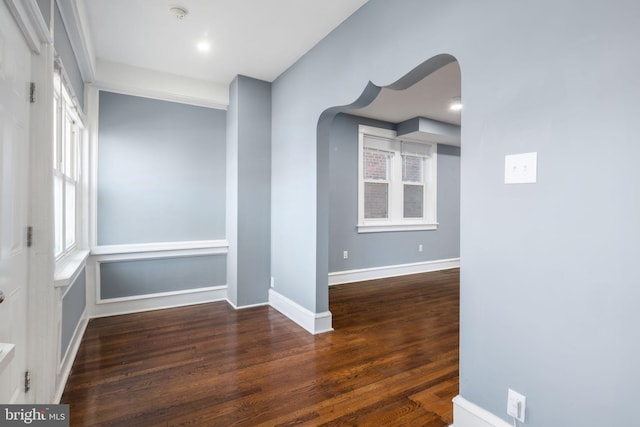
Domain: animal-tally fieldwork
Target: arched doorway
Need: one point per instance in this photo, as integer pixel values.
(420, 101)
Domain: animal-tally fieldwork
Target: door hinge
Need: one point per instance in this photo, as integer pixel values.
(32, 92)
(27, 381)
(29, 236)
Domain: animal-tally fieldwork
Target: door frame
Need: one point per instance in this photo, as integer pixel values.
(42, 316)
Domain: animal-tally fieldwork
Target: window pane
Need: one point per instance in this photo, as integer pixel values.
(68, 147)
(413, 201)
(412, 168)
(56, 135)
(70, 214)
(376, 165)
(58, 214)
(376, 200)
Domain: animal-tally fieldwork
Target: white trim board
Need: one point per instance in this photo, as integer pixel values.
(99, 300)
(350, 276)
(159, 301)
(467, 414)
(242, 307)
(211, 247)
(70, 355)
(315, 323)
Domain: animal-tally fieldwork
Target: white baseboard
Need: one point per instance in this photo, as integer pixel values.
(467, 414)
(315, 323)
(242, 307)
(350, 276)
(70, 356)
(159, 302)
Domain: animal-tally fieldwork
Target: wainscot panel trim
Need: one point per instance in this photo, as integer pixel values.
(159, 301)
(467, 414)
(70, 355)
(350, 276)
(145, 251)
(158, 295)
(315, 323)
(210, 246)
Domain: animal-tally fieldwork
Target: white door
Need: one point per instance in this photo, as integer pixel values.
(15, 71)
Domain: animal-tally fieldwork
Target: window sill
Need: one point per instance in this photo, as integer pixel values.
(68, 269)
(370, 228)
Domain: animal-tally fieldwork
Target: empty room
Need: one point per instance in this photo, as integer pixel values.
(345, 212)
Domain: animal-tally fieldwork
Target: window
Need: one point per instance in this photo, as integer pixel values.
(67, 129)
(396, 182)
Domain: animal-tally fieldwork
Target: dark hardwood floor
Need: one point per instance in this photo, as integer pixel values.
(391, 361)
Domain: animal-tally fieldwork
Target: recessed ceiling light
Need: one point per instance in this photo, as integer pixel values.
(203, 46)
(178, 12)
(455, 104)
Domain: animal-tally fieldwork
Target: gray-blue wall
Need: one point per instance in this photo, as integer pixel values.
(150, 276)
(161, 178)
(63, 48)
(390, 248)
(548, 289)
(73, 305)
(161, 171)
(45, 10)
(249, 191)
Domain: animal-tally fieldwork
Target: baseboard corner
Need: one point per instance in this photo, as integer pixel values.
(468, 414)
(314, 323)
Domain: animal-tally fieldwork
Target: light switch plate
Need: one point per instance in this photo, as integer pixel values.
(520, 168)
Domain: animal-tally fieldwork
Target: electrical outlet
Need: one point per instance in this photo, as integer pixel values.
(345, 255)
(516, 405)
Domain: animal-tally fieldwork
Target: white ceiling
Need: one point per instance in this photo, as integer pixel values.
(257, 38)
(430, 97)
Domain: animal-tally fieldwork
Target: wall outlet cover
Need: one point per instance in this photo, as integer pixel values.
(516, 405)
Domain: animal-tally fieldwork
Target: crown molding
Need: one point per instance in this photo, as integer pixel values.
(131, 80)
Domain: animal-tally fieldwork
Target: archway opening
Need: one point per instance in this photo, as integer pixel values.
(378, 243)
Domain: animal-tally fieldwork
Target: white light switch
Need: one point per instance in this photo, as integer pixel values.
(520, 168)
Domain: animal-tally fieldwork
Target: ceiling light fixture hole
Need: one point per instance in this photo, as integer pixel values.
(178, 12)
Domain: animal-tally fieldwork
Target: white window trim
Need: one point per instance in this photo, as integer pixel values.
(395, 222)
(72, 259)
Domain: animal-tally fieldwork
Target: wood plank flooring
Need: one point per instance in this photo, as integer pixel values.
(391, 361)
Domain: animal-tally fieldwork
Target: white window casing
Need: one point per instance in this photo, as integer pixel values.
(67, 169)
(410, 177)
